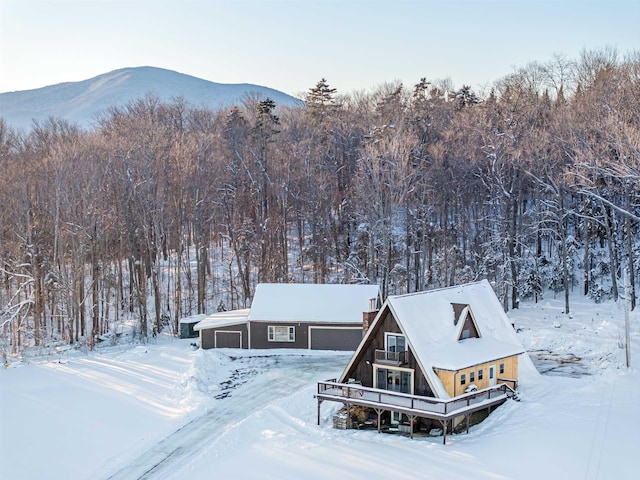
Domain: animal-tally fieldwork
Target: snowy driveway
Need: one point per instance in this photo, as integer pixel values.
(250, 385)
(168, 412)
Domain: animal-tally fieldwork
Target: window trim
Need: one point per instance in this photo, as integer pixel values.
(396, 335)
(290, 333)
(410, 371)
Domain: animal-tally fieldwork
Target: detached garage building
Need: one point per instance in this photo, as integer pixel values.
(302, 316)
(224, 330)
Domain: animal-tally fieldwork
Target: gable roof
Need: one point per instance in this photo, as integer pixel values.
(306, 302)
(223, 319)
(466, 321)
(193, 318)
(427, 320)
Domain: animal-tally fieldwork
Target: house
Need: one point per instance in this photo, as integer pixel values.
(440, 354)
(295, 315)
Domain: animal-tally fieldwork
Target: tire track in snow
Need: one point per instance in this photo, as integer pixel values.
(277, 376)
(599, 439)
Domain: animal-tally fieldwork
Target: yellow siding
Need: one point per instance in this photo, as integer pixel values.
(447, 378)
(451, 380)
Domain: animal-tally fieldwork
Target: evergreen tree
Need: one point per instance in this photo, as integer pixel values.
(466, 97)
(421, 92)
(321, 100)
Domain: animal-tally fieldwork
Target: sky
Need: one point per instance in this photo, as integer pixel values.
(289, 45)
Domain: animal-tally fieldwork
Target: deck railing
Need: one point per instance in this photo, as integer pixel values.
(393, 358)
(513, 384)
(402, 401)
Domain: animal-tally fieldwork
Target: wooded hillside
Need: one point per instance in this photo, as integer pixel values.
(166, 210)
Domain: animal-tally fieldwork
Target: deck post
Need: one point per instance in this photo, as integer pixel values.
(411, 420)
(319, 403)
(444, 431)
(379, 412)
(468, 415)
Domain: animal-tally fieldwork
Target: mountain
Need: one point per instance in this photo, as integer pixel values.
(80, 102)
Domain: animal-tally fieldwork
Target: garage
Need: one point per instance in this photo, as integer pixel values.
(334, 338)
(228, 339)
(224, 330)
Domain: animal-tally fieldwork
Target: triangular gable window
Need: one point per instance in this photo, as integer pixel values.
(457, 311)
(469, 328)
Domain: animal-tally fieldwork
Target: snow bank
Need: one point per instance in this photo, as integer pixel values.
(169, 412)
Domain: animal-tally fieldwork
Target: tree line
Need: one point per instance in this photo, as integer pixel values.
(165, 210)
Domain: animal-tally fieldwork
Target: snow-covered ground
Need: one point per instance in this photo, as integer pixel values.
(168, 411)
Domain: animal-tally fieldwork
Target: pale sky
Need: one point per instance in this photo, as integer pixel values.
(291, 44)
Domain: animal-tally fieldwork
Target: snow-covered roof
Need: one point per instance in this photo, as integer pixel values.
(193, 318)
(317, 303)
(223, 319)
(427, 321)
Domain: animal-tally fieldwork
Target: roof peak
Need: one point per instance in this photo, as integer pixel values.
(422, 292)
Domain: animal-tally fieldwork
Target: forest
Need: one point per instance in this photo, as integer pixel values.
(165, 210)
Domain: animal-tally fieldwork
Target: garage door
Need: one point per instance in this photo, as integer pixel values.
(228, 339)
(325, 338)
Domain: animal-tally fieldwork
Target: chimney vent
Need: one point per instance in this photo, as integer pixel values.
(368, 317)
(373, 304)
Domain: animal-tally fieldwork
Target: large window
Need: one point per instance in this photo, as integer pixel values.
(282, 333)
(394, 380)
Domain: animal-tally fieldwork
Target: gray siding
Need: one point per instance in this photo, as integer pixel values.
(260, 339)
(329, 337)
(363, 371)
(208, 337)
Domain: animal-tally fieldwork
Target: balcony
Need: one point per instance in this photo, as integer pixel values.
(391, 358)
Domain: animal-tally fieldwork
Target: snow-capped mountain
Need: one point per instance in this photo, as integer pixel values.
(80, 102)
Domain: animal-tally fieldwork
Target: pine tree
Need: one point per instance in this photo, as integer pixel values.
(466, 97)
(421, 92)
(321, 100)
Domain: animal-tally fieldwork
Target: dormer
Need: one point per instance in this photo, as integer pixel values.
(463, 316)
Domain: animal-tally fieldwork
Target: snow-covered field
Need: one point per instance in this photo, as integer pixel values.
(168, 411)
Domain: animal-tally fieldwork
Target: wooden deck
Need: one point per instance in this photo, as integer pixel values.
(414, 406)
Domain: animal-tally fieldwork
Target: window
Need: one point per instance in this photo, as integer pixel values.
(394, 380)
(395, 343)
(463, 379)
(469, 328)
(480, 374)
(395, 418)
(282, 334)
(472, 377)
(502, 368)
